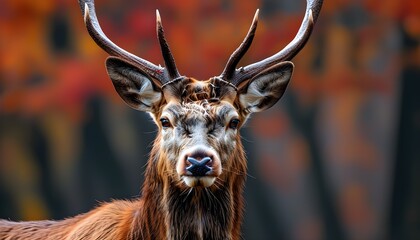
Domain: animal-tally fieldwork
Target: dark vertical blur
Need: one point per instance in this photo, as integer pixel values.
(336, 158)
(405, 211)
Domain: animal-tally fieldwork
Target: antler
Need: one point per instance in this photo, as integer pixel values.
(237, 76)
(241, 50)
(163, 75)
(166, 52)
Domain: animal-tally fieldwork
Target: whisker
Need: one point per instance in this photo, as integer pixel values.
(212, 194)
(238, 172)
(184, 191)
(247, 140)
(188, 194)
(218, 184)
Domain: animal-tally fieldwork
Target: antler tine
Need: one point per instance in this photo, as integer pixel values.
(241, 50)
(166, 51)
(312, 11)
(95, 31)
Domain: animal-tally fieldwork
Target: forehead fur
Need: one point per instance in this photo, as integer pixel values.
(200, 100)
(203, 109)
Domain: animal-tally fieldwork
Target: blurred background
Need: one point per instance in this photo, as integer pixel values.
(337, 158)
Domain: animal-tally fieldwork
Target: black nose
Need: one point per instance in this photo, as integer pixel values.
(199, 168)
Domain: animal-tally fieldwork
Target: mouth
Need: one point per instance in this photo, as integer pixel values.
(204, 181)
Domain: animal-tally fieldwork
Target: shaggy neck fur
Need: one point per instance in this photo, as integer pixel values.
(172, 212)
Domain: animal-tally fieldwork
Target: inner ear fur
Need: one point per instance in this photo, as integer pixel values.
(134, 86)
(266, 88)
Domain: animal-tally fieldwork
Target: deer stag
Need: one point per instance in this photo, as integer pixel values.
(197, 168)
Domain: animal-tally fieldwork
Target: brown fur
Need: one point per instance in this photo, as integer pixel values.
(162, 207)
(167, 210)
(192, 115)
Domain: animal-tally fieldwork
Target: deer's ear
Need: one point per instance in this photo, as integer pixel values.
(133, 85)
(266, 88)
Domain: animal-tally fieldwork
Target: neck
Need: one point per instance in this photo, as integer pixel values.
(172, 212)
(200, 213)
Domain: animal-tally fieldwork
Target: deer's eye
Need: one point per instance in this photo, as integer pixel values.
(233, 124)
(165, 122)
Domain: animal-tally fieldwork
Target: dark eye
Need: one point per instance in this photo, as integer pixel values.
(233, 124)
(165, 122)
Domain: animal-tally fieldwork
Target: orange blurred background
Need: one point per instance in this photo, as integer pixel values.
(337, 158)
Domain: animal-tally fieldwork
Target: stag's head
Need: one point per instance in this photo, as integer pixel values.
(199, 120)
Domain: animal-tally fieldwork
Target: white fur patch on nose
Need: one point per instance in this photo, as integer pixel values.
(191, 181)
